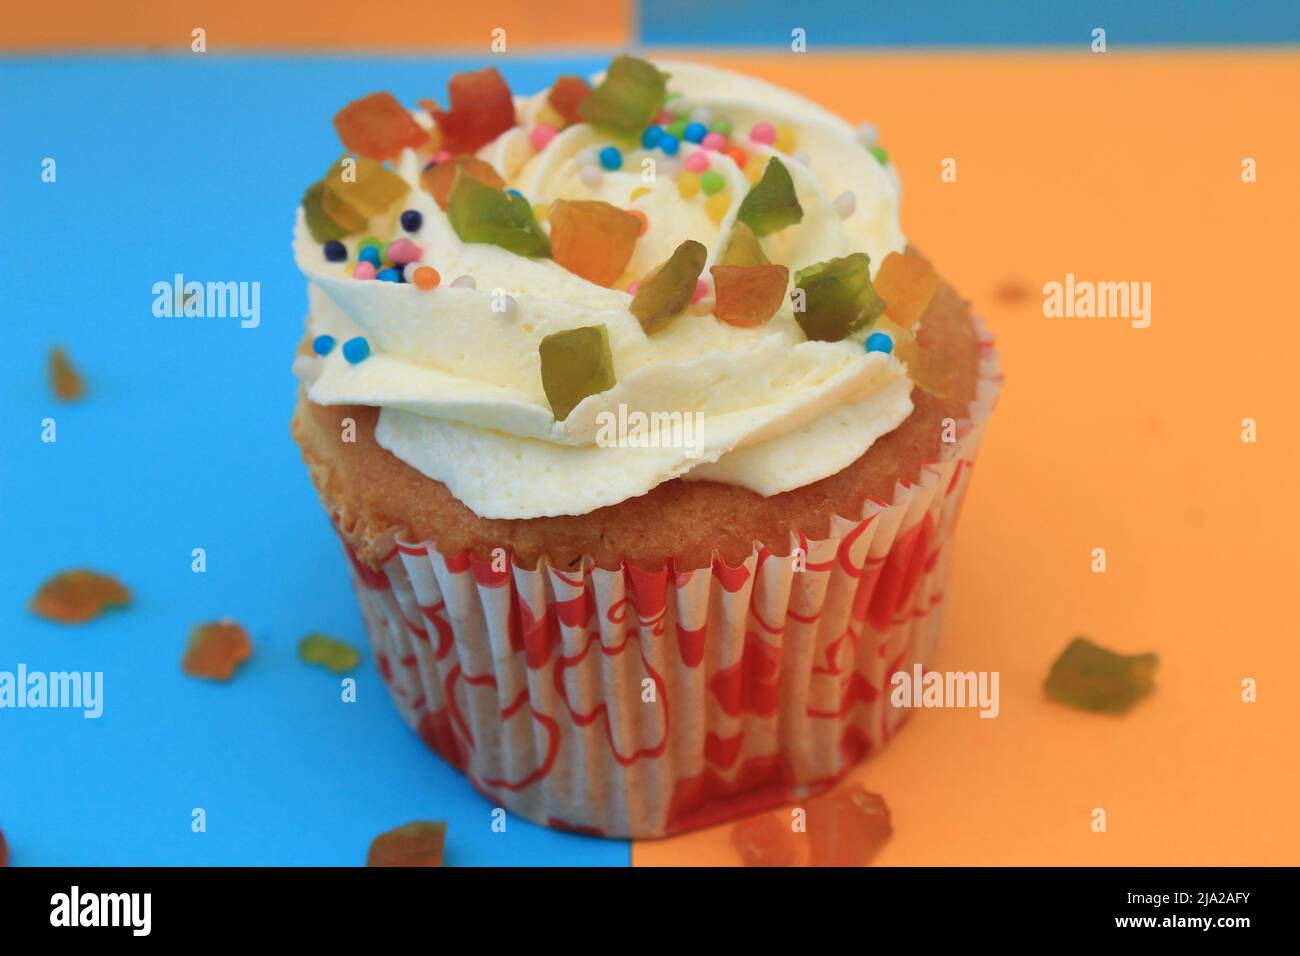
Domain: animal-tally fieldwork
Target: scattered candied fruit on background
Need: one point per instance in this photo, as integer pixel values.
(593, 239)
(480, 213)
(847, 827)
(566, 96)
(437, 180)
(482, 108)
(65, 381)
(413, 844)
(331, 654)
(1090, 677)
(767, 840)
(575, 363)
(907, 283)
(216, 650)
(77, 596)
(747, 296)
(838, 298)
(378, 127)
(4, 850)
(666, 291)
(771, 203)
(628, 99)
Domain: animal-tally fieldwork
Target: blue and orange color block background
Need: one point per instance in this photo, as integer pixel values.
(1122, 166)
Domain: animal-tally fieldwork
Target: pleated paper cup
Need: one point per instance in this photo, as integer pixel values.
(640, 703)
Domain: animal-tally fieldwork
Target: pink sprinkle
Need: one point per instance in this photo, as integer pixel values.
(402, 251)
(714, 141)
(442, 155)
(363, 270)
(764, 133)
(631, 289)
(701, 290)
(697, 162)
(665, 118)
(542, 135)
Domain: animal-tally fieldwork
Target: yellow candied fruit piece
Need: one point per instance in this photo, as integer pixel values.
(542, 211)
(754, 168)
(638, 193)
(784, 139)
(718, 205)
(688, 184)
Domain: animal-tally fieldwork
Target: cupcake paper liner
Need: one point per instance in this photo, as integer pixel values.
(638, 703)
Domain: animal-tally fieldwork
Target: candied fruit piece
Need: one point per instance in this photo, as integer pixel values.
(437, 180)
(838, 298)
(321, 224)
(331, 654)
(628, 99)
(480, 213)
(766, 840)
(847, 827)
(667, 290)
(65, 380)
(413, 844)
(743, 248)
(575, 363)
(378, 127)
(926, 372)
(77, 596)
(566, 97)
(216, 650)
(362, 185)
(481, 110)
(593, 239)
(1090, 677)
(771, 204)
(748, 296)
(907, 284)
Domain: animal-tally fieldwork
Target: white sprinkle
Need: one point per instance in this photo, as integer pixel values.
(464, 282)
(867, 135)
(503, 304)
(408, 271)
(591, 176)
(702, 116)
(845, 203)
(799, 156)
(588, 155)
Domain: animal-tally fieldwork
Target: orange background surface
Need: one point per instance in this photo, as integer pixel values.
(1113, 167)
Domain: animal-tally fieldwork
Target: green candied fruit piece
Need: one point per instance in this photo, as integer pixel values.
(628, 99)
(364, 185)
(481, 213)
(329, 653)
(838, 298)
(575, 363)
(665, 292)
(319, 224)
(1090, 677)
(743, 248)
(771, 205)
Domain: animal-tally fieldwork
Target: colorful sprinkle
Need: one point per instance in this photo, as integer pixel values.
(722, 126)
(688, 184)
(695, 132)
(364, 270)
(677, 129)
(464, 282)
(412, 220)
(323, 344)
(714, 141)
(845, 203)
(882, 157)
(425, 278)
(335, 251)
(403, 251)
(504, 304)
(784, 139)
(867, 134)
(701, 290)
(669, 144)
(718, 205)
(638, 193)
(651, 137)
(541, 135)
(701, 115)
(389, 274)
(879, 342)
(442, 155)
(611, 158)
(371, 255)
(631, 286)
(712, 183)
(738, 156)
(590, 176)
(697, 162)
(356, 350)
(763, 133)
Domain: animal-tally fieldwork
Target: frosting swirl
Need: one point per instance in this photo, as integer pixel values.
(458, 381)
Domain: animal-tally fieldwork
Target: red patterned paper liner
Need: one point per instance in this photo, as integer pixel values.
(637, 703)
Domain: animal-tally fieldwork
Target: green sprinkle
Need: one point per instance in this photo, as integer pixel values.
(678, 129)
(333, 655)
(1090, 677)
(722, 126)
(882, 157)
(711, 182)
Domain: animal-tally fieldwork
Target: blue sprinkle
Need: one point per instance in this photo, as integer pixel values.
(389, 275)
(695, 132)
(412, 220)
(335, 251)
(323, 344)
(356, 350)
(879, 342)
(370, 254)
(611, 158)
(651, 137)
(514, 192)
(668, 143)
(429, 165)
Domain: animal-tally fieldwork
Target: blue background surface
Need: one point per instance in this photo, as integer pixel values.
(191, 165)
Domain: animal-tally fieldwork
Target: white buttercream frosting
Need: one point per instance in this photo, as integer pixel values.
(459, 382)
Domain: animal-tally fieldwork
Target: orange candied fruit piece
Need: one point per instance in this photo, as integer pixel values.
(378, 127)
(77, 596)
(847, 827)
(567, 95)
(907, 283)
(414, 844)
(216, 650)
(766, 840)
(481, 110)
(593, 239)
(65, 381)
(437, 180)
(747, 296)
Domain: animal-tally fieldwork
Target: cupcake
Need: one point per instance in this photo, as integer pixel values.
(644, 430)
